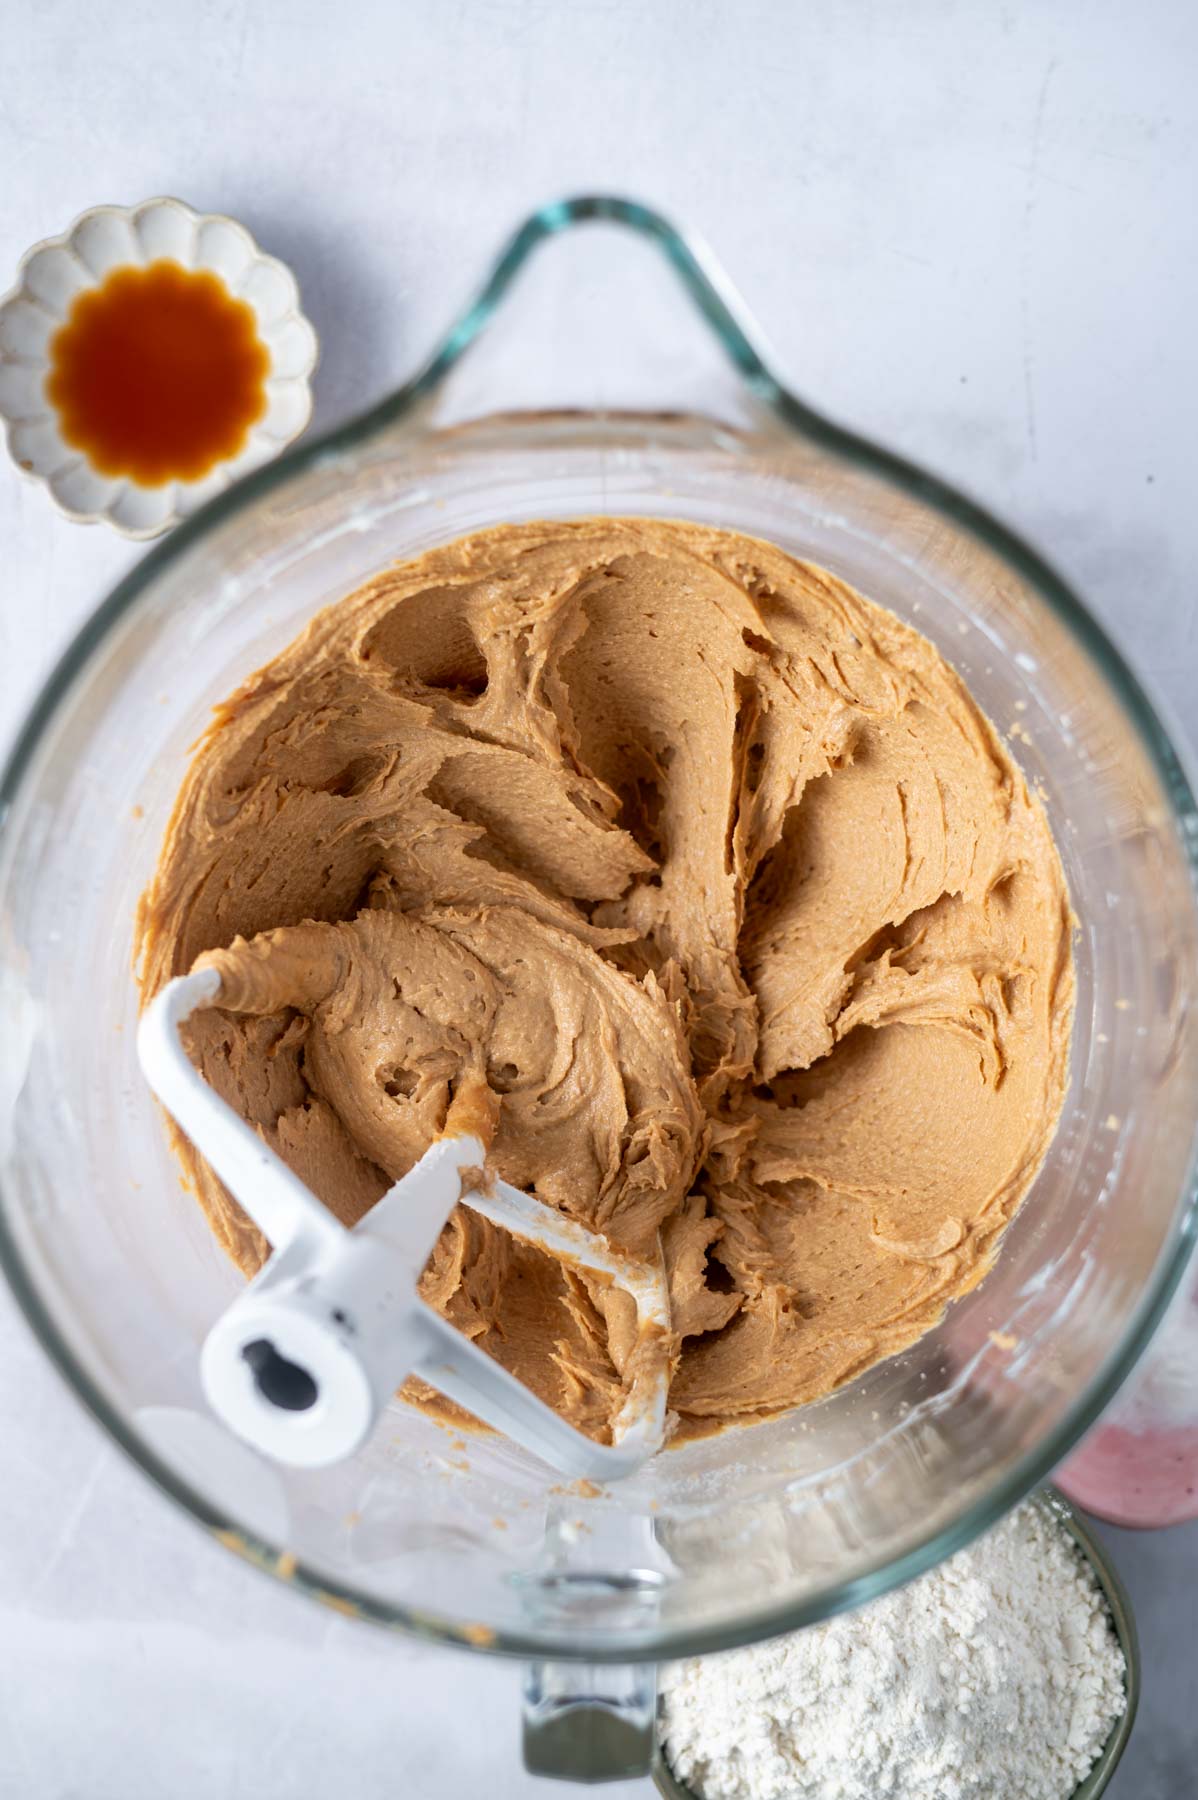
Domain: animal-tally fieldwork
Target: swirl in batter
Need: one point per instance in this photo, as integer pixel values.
(716, 875)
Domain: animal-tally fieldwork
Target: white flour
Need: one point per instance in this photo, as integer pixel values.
(995, 1677)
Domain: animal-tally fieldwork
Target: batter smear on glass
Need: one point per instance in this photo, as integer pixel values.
(716, 874)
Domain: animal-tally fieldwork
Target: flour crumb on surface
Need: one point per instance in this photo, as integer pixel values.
(997, 1676)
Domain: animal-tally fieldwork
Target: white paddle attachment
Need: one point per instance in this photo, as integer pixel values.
(303, 1362)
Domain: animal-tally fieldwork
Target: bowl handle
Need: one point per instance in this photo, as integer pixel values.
(633, 316)
(589, 1722)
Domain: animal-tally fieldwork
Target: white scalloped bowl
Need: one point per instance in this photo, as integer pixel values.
(48, 280)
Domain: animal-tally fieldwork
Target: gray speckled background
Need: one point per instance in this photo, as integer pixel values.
(969, 229)
(1160, 1569)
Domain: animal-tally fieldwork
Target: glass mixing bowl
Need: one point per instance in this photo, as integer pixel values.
(539, 409)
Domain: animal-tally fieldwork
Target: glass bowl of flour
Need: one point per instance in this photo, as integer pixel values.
(1010, 1670)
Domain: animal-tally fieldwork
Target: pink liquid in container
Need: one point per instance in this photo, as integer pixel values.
(1139, 1466)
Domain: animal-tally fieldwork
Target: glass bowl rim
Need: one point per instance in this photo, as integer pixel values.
(709, 290)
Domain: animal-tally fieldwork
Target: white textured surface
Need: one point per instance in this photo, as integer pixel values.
(970, 230)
